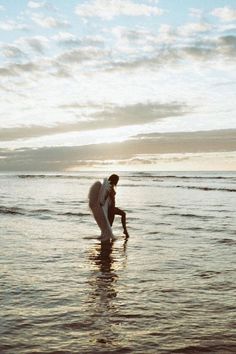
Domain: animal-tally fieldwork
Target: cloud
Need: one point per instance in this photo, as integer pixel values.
(166, 30)
(227, 28)
(144, 149)
(35, 4)
(60, 66)
(141, 42)
(111, 116)
(227, 45)
(22, 49)
(191, 43)
(67, 39)
(105, 117)
(169, 47)
(11, 51)
(225, 14)
(133, 36)
(218, 48)
(90, 53)
(108, 9)
(75, 56)
(193, 28)
(155, 61)
(11, 25)
(37, 43)
(5, 71)
(191, 142)
(49, 22)
(194, 12)
(92, 41)
(190, 51)
(21, 46)
(148, 50)
(18, 69)
(62, 71)
(139, 113)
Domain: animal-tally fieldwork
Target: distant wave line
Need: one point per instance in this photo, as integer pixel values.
(21, 211)
(144, 176)
(195, 177)
(189, 215)
(54, 176)
(208, 188)
(11, 210)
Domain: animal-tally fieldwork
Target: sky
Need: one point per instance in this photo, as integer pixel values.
(117, 85)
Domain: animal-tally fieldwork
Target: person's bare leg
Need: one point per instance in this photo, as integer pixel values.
(111, 215)
(120, 212)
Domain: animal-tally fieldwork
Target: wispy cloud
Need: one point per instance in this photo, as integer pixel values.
(139, 113)
(225, 14)
(68, 39)
(101, 117)
(11, 51)
(79, 55)
(107, 9)
(36, 4)
(37, 43)
(49, 21)
(192, 49)
(193, 28)
(195, 12)
(19, 69)
(10, 25)
(26, 46)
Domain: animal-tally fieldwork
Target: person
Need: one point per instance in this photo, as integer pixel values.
(101, 198)
(112, 209)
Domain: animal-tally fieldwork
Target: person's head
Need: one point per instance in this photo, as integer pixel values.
(113, 179)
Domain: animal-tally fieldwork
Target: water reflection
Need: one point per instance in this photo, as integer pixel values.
(104, 273)
(105, 261)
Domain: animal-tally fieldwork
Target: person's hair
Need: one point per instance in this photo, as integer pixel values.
(114, 179)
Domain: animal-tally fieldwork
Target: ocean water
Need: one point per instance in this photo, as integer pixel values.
(170, 288)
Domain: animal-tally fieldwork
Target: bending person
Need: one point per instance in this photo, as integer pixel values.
(112, 209)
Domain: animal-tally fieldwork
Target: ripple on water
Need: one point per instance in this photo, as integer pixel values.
(227, 241)
(207, 348)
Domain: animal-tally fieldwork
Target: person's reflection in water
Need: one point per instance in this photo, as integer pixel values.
(103, 295)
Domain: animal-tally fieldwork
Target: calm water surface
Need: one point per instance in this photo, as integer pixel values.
(169, 289)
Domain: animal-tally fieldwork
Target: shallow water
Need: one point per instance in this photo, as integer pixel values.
(169, 289)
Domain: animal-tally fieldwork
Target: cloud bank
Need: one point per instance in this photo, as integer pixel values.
(146, 149)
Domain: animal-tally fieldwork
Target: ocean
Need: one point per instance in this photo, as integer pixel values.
(170, 288)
